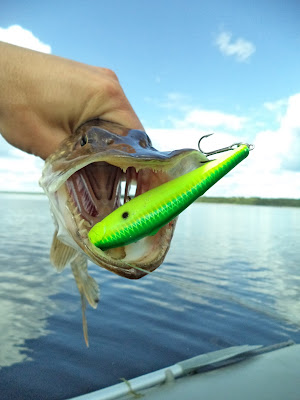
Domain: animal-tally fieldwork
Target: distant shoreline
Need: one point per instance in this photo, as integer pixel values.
(8, 192)
(253, 201)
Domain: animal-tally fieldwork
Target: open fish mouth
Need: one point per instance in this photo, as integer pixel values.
(99, 188)
(96, 171)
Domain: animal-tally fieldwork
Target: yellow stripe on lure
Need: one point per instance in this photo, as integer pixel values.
(147, 213)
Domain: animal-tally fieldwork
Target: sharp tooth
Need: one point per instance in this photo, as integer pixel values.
(81, 223)
(139, 182)
(77, 216)
(127, 186)
(82, 232)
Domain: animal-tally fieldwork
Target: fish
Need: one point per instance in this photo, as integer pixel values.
(146, 214)
(93, 172)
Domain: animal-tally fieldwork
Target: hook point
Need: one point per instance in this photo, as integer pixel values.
(233, 146)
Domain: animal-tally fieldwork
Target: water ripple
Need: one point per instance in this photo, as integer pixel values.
(231, 277)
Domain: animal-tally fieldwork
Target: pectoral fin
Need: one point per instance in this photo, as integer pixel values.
(60, 253)
(87, 286)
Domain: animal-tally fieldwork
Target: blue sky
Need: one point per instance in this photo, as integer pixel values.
(188, 68)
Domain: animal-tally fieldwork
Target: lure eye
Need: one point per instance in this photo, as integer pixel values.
(125, 215)
(83, 141)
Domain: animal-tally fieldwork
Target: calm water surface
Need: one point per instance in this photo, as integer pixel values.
(232, 277)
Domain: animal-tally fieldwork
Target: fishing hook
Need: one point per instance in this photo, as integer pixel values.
(232, 147)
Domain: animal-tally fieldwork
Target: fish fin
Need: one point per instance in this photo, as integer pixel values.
(85, 283)
(60, 253)
(87, 286)
(84, 321)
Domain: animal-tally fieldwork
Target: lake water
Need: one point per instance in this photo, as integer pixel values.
(232, 277)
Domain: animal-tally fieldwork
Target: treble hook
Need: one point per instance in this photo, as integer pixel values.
(232, 147)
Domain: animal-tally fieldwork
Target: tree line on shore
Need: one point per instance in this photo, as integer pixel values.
(257, 201)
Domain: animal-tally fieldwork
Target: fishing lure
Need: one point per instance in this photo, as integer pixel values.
(147, 213)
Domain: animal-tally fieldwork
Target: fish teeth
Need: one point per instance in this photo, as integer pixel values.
(82, 232)
(77, 218)
(83, 223)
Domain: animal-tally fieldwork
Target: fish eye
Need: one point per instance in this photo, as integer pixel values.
(143, 143)
(125, 215)
(83, 141)
(109, 141)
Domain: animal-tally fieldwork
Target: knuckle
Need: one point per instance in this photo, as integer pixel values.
(112, 88)
(109, 73)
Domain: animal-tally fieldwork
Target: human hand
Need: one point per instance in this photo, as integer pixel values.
(45, 98)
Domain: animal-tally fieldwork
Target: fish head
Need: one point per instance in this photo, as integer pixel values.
(95, 171)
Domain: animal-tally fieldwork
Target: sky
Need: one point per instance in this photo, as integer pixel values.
(188, 68)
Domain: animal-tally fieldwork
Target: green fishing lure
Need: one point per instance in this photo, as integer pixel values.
(147, 213)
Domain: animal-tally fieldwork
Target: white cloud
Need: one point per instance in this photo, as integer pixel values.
(19, 36)
(20, 171)
(195, 122)
(276, 108)
(212, 119)
(275, 105)
(278, 150)
(272, 168)
(241, 49)
(289, 135)
(179, 138)
(191, 117)
(172, 139)
(172, 101)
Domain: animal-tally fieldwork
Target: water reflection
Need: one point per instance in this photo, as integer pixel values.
(243, 254)
(224, 262)
(27, 281)
(234, 254)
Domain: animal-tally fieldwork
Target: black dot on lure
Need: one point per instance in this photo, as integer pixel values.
(125, 215)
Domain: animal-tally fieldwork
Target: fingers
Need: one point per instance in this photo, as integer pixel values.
(48, 97)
